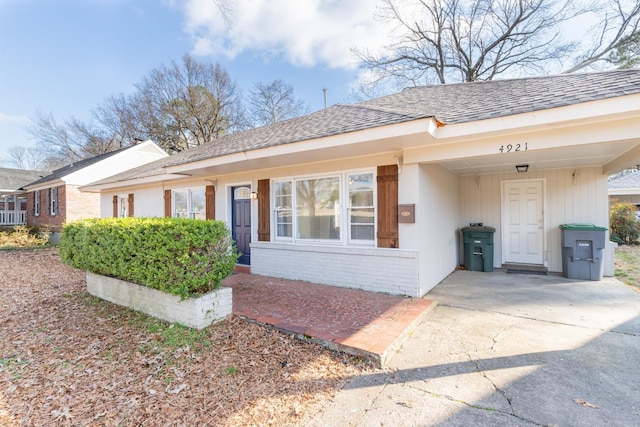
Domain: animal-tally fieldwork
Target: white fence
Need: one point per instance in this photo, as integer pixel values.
(13, 217)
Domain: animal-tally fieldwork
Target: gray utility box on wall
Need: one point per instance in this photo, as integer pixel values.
(478, 248)
(582, 251)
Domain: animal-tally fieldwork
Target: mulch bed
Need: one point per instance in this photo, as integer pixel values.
(67, 358)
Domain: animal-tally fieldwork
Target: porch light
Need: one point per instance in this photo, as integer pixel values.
(522, 168)
(253, 195)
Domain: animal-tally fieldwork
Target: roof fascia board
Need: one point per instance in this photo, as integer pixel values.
(601, 110)
(623, 161)
(131, 182)
(574, 135)
(623, 191)
(46, 185)
(426, 126)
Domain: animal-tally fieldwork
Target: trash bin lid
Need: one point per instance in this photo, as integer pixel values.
(479, 228)
(582, 227)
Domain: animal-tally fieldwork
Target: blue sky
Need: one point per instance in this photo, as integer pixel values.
(67, 56)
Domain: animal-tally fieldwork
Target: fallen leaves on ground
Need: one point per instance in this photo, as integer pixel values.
(68, 359)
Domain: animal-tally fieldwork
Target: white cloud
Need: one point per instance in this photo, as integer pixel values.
(16, 120)
(303, 32)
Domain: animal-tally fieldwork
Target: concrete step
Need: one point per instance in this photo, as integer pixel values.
(525, 268)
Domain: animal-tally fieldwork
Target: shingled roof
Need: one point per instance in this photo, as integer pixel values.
(631, 180)
(15, 179)
(449, 104)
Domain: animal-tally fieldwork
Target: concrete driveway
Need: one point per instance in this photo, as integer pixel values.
(508, 350)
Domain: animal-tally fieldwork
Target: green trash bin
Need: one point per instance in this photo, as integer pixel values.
(583, 251)
(478, 248)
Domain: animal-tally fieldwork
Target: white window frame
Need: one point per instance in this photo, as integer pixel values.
(374, 207)
(189, 212)
(53, 201)
(123, 205)
(36, 203)
(344, 212)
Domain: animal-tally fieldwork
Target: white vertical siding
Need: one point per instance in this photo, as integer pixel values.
(438, 219)
(567, 200)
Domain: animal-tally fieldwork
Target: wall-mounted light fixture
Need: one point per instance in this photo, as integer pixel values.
(522, 168)
(253, 195)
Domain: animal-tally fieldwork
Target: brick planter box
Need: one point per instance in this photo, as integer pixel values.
(193, 312)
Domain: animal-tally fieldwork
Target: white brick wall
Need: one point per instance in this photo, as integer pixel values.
(392, 271)
(192, 312)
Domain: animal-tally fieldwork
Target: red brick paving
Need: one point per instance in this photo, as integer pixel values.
(354, 321)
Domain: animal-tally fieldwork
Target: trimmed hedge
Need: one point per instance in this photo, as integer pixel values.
(178, 256)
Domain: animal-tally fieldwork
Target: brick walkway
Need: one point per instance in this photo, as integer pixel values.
(357, 322)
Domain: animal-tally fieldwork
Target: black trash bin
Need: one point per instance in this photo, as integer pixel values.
(582, 251)
(478, 248)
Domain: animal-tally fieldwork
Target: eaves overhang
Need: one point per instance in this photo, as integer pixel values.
(394, 137)
(45, 185)
(96, 188)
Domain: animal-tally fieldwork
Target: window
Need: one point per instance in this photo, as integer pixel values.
(313, 208)
(361, 210)
(283, 204)
(36, 203)
(189, 204)
(53, 200)
(123, 206)
(318, 209)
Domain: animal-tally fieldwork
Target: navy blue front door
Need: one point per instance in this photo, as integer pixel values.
(241, 222)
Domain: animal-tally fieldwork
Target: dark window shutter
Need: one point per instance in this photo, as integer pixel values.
(130, 201)
(48, 201)
(210, 202)
(167, 203)
(264, 212)
(33, 203)
(388, 206)
(115, 206)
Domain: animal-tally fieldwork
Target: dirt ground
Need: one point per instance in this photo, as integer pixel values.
(69, 359)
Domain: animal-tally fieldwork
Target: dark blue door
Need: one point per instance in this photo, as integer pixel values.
(241, 222)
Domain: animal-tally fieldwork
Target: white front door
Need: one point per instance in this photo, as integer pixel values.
(522, 222)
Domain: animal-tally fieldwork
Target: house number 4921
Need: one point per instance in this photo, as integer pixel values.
(512, 147)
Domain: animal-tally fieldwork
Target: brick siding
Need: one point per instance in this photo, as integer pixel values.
(72, 205)
(392, 271)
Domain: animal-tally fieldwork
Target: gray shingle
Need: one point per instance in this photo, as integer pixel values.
(451, 104)
(15, 179)
(631, 180)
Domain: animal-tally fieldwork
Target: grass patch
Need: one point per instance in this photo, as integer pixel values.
(628, 265)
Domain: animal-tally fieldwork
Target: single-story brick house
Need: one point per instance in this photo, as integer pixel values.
(373, 195)
(56, 199)
(13, 199)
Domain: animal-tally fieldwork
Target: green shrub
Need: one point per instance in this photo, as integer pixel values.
(625, 228)
(22, 236)
(175, 255)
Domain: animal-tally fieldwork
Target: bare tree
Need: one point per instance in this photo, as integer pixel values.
(616, 37)
(440, 41)
(185, 105)
(70, 141)
(468, 40)
(116, 119)
(273, 102)
(30, 158)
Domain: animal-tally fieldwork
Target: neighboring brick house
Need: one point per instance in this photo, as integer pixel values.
(13, 200)
(55, 199)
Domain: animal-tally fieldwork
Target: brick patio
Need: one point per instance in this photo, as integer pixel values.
(354, 321)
